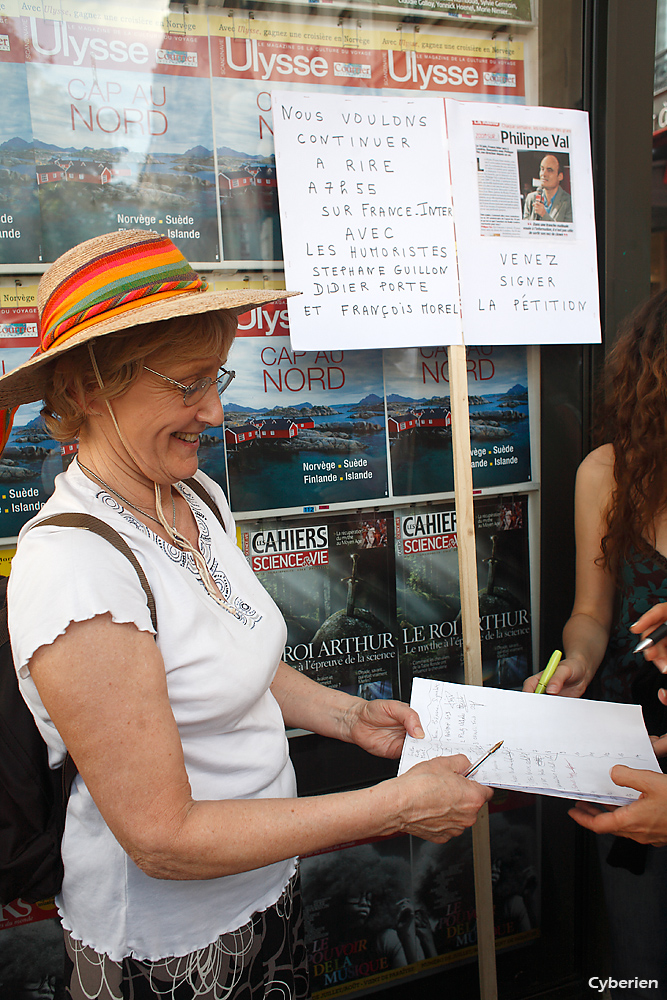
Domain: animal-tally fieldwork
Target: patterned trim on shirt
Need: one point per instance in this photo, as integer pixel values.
(247, 614)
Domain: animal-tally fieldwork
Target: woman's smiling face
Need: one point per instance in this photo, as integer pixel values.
(160, 432)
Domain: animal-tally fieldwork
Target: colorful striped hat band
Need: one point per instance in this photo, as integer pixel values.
(113, 283)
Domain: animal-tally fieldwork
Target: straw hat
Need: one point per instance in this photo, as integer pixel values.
(111, 283)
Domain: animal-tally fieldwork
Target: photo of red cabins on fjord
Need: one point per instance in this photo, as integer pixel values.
(83, 171)
(283, 428)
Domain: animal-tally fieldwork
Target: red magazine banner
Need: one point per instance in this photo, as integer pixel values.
(171, 50)
(19, 912)
(18, 327)
(32, 950)
(265, 321)
(280, 60)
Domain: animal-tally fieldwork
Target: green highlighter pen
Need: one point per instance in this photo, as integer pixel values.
(549, 671)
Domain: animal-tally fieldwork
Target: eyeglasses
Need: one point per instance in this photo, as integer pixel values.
(193, 393)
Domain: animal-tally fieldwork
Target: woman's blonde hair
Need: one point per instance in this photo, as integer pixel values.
(120, 358)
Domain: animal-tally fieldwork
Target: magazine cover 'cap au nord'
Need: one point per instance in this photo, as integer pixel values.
(419, 417)
(20, 228)
(302, 428)
(123, 128)
(31, 459)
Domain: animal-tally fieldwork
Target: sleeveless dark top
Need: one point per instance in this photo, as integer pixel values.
(623, 675)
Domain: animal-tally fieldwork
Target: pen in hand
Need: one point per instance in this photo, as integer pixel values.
(473, 767)
(656, 635)
(548, 671)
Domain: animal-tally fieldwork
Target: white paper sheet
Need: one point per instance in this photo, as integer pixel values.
(366, 219)
(552, 746)
(522, 282)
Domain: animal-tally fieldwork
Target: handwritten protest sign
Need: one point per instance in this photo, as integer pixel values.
(366, 215)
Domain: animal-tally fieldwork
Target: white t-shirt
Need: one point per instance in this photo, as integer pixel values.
(218, 670)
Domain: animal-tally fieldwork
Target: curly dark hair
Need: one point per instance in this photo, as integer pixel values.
(633, 418)
(334, 876)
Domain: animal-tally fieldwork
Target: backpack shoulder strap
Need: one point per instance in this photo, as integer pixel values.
(205, 497)
(94, 524)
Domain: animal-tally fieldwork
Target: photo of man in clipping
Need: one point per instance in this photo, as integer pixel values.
(550, 202)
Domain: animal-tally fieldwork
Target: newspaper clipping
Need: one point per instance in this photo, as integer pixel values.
(523, 177)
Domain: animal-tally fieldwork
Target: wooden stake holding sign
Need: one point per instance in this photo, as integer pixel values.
(368, 238)
(472, 651)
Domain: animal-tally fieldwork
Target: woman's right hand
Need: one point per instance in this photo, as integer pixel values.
(570, 680)
(437, 802)
(657, 654)
(659, 744)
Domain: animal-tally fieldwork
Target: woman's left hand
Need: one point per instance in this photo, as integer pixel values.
(380, 726)
(377, 726)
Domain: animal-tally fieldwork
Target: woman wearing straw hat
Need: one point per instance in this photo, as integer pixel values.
(182, 826)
